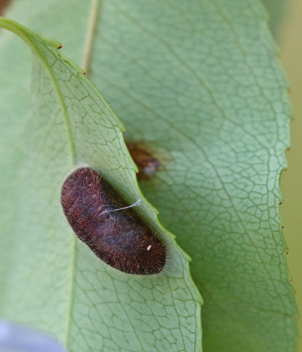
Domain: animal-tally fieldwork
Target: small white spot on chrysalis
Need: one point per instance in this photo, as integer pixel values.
(149, 247)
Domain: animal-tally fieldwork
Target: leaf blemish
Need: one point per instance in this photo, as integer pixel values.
(3, 5)
(146, 163)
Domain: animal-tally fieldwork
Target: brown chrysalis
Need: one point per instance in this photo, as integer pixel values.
(117, 236)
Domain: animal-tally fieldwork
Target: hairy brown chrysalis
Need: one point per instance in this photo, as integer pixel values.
(117, 236)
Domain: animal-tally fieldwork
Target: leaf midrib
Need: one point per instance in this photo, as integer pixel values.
(91, 26)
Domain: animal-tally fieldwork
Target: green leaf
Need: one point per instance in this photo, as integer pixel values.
(200, 81)
(276, 10)
(54, 282)
(291, 180)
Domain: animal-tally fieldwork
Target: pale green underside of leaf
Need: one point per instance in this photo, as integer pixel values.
(54, 282)
(199, 83)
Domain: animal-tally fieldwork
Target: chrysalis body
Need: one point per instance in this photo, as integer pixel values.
(120, 238)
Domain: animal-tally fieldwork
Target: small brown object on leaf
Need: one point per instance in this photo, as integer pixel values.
(146, 163)
(117, 236)
(3, 5)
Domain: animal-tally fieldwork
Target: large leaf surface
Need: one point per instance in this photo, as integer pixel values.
(56, 283)
(200, 81)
